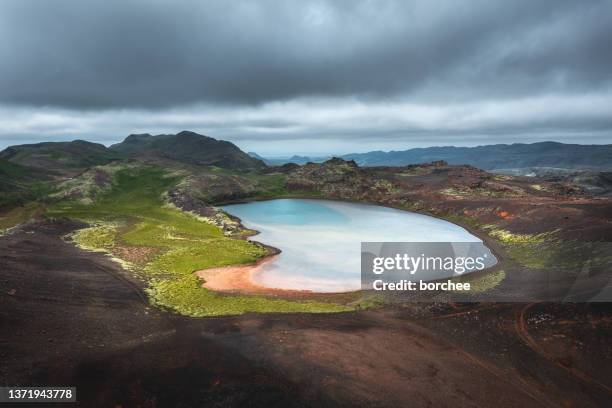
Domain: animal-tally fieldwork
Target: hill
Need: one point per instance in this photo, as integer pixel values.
(187, 147)
(499, 156)
(59, 157)
(18, 184)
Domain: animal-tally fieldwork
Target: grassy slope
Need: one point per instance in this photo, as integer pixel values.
(22, 191)
(18, 215)
(61, 156)
(132, 215)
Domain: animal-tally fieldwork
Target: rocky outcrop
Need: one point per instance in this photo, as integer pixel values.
(335, 178)
(461, 193)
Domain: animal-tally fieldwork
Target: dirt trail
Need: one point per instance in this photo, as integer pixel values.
(523, 333)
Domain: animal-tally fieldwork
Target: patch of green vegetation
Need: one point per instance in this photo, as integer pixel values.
(12, 170)
(530, 250)
(185, 244)
(20, 185)
(368, 301)
(546, 251)
(100, 237)
(186, 295)
(570, 256)
(136, 193)
(270, 185)
(508, 237)
(221, 252)
(90, 183)
(265, 185)
(483, 283)
(457, 217)
(18, 215)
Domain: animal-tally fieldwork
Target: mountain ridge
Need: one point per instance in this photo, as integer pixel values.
(497, 156)
(59, 156)
(189, 147)
(487, 157)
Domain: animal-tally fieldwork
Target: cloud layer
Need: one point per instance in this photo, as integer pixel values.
(370, 70)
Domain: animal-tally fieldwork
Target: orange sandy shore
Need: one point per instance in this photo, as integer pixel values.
(239, 279)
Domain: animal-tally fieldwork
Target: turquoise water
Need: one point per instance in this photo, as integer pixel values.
(321, 240)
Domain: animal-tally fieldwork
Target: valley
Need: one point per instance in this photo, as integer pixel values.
(98, 261)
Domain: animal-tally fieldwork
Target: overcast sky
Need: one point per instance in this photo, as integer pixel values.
(308, 77)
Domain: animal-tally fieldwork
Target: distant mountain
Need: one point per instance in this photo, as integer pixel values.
(499, 156)
(187, 147)
(305, 159)
(256, 156)
(59, 156)
(278, 161)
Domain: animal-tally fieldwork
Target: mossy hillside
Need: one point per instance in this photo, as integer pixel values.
(19, 215)
(91, 183)
(21, 188)
(547, 251)
(269, 185)
(60, 155)
(184, 242)
(529, 250)
(12, 170)
(217, 185)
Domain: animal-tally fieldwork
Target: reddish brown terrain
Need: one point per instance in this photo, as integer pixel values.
(71, 317)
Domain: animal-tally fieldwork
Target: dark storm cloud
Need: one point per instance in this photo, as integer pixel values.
(308, 76)
(156, 54)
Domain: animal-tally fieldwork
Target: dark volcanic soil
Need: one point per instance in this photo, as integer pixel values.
(70, 317)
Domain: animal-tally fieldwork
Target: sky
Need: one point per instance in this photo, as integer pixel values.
(308, 77)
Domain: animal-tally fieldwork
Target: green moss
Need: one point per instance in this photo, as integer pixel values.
(483, 283)
(192, 257)
(186, 296)
(460, 219)
(185, 243)
(368, 301)
(97, 238)
(510, 238)
(546, 251)
(18, 215)
(529, 250)
(270, 185)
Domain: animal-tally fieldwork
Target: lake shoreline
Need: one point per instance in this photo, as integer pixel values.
(239, 279)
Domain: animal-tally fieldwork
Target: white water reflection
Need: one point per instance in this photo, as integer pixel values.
(321, 240)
